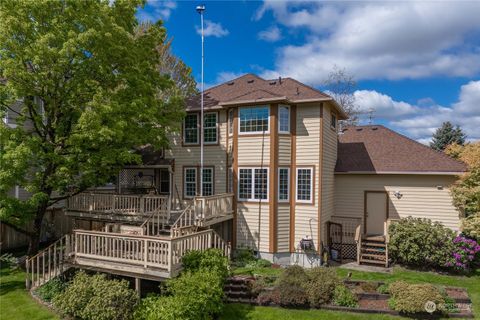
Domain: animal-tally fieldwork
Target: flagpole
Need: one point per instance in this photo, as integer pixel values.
(200, 10)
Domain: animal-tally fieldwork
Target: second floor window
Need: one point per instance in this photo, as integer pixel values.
(253, 184)
(207, 187)
(284, 119)
(304, 185)
(190, 182)
(190, 129)
(210, 128)
(254, 119)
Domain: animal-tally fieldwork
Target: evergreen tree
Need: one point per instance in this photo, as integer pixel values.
(446, 135)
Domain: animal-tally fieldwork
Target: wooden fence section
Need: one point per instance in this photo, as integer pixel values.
(118, 203)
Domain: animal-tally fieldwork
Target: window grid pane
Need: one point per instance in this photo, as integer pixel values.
(210, 127)
(207, 188)
(190, 182)
(284, 119)
(283, 185)
(245, 184)
(254, 119)
(261, 184)
(191, 128)
(304, 184)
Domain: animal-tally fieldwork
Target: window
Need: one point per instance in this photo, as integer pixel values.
(283, 184)
(190, 129)
(230, 121)
(207, 187)
(333, 121)
(304, 185)
(284, 119)
(254, 119)
(253, 184)
(210, 128)
(190, 182)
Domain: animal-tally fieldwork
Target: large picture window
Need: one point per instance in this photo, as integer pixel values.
(284, 119)
(254, 119)
(190, 182)
(253, 184)
(304, 185)
(283, 184)
(190, 129)
(210, 128)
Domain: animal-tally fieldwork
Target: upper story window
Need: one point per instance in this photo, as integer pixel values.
(305, 185)
(333, 121)
(190, 129)
(230, 121)
(190, 182)
(207, 182)
(284, 119)
(254, 119)
(210, 128)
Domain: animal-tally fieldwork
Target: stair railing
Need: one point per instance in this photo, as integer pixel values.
(185, 223)
(49, 262)
(154, 223)
(358, 240)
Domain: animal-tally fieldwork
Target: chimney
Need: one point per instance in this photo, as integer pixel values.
(279, 80)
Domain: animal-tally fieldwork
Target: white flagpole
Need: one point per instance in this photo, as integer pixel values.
(200, 10)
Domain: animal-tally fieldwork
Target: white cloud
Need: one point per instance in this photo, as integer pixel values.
(212, 29)
(157, 9)
(271, 34)
(386, 40)
(420, 121)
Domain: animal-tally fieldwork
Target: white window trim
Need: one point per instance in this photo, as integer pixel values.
(231, 113)
(198, 131)
(333, 125)
(252, 196)
(185, 182)
(288, 185)
(312, 184)
(253, 132)
(289, 115)
(216, 128)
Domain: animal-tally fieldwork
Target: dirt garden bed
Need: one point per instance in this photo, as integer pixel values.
(371, 296)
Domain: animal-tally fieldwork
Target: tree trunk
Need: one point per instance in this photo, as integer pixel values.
(34, 238)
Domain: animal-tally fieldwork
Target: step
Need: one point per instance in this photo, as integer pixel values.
(374, 256)
(374, 244)
(236, 295)
(381, 251)
(241, 300)
(374, 238)
(236, 287)
(372, 261)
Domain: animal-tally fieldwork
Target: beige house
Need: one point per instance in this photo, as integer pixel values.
(278, 177)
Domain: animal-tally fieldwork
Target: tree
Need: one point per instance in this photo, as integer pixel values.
(89, 92)
(341, 85)
(446, 135)
(466, 190)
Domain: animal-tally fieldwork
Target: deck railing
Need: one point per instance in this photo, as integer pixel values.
(118, 203)
(211, 207)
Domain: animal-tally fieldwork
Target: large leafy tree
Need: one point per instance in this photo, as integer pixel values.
(445, 135)
(86, 89)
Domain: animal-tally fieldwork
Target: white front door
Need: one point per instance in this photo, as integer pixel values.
(376, 204)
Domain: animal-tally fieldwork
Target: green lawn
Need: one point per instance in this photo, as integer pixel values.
(15, 302)
(237, 311)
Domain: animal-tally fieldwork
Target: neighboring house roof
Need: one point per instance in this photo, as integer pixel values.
(377, 149)
(250, 88)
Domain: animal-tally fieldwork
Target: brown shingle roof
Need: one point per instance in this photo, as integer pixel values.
(252, 88)
(378, 149)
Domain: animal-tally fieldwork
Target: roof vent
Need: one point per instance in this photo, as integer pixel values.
(359, 129)
(272, 83)
(230, 83)
(279, 80)
(374, 128)
(298, 91)
(250, 81)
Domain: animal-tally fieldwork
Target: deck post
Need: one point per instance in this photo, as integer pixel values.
(138, 286)
(27, 280)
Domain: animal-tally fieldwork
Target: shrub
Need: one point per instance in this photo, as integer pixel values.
(268, 297)
(291, 287)
(242, 256)
(369, 286)
(293, 275)
(321, 285)
(261, 283)
(419, 242)
(471, 226)
(97, 298)
(212, 260)
(411, 298)
(50, 289)
(260, 263)
(464, 254)
(342, 296)
(383, 289)
(193, 295)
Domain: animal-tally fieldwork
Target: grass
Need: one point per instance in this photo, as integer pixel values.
(246, 312)
(15, 301)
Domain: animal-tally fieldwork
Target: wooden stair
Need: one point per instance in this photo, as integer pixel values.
(373, 250)
(237, 290)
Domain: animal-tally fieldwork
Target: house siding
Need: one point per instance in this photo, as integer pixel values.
(283, 228)
(253, 150)
(284, 150)
(421, 198)
(253, 225)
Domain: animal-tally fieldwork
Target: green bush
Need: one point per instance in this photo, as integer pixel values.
(193, 295)
(471, 226)
(383, 289)
(342, 296)
(212, 260)
(420, 242)
(260, 263)
(50, 289)
(243, 256)
(411, 298)
(268, 297)
(294, 276)
(321, 285)
(291, 287)
(96, 298)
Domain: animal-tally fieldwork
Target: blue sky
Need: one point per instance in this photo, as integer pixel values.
(417, 63)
